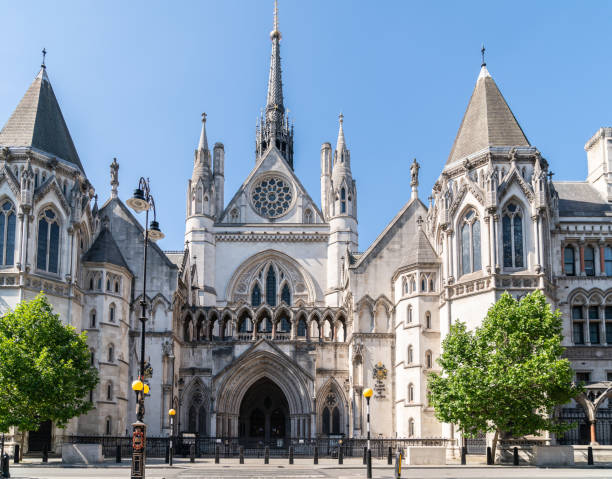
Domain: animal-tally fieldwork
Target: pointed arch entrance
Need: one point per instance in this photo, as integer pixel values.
(262, 391)
(264, 414)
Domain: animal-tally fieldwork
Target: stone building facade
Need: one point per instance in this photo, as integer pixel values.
(269, 324)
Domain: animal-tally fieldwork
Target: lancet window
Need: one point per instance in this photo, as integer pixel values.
(470, 243)
(512, 232)
(7, 234)
(47, 257)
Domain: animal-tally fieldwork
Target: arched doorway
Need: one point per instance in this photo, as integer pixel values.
(37, 440)
(264, 415)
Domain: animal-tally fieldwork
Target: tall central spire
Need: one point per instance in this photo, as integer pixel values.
(274, 129)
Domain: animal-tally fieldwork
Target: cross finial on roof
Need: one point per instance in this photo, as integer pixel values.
(275, 33)
(550, 175)
(203, 117)
(341, 118)
(482, 53)
(44, 54)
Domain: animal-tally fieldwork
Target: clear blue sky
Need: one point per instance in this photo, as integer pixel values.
(133, 78)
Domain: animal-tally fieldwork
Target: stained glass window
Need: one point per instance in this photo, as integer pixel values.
(470, 243)
(272, 196)
(256, 296)
(271, 287)
(512, 237)
(286, 295)
(47, 258)
(7, 234)
(608, 260)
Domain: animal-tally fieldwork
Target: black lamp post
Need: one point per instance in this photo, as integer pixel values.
(142, 201)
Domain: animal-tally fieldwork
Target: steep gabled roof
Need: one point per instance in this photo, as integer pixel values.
(488, 121)
(419, 250)
(37, 122)
(105, 250)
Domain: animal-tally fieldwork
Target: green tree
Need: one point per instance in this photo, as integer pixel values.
(45, 371)
(507, 375)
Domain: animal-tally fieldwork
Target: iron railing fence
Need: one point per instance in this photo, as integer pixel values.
(230, 447)
(580, 433)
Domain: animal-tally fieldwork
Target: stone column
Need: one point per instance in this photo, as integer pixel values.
(274, 328)
(582, 271)
(487, 220)
(495, 241)
(602, 263)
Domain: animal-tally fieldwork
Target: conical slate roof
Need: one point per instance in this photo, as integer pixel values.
(105, 250)
(488, 121)
(419, 250)
(38, 122)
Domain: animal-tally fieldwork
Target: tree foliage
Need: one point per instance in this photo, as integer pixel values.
(507, 375)
(45, 371)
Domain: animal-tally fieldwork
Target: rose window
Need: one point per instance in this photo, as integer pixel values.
(272, 196)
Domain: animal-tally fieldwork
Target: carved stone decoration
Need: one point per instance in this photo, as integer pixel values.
(168, 348)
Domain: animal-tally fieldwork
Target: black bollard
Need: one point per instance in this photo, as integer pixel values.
(590, 456)
(4, 466)
(390, 456)
(45, 456)
(516, 457)
(365, 455)
(463, 455)
(118, 454)
(316, 454)
(369, 465)
(340, 455)
(167, 457)
(241, 452)
(217, 454)
(192, 453)
(16, 458)
(267, 455)
(290, 454)
(489, 456)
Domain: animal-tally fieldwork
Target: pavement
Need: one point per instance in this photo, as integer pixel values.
(302, 469)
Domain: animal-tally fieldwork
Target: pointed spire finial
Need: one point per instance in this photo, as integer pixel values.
(341, 118)
(44, 54)
(203, 145)
(275, 33)
(482, 53)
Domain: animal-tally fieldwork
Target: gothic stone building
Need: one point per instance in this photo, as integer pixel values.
(269, 324)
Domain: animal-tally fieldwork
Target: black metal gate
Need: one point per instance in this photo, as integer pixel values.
(477, 445)
(580, 433)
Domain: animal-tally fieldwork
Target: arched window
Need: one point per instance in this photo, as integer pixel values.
(409, 314)
(427, 320)
(286, 295)
(109, 429)
(284, 325)
(470, 243)
(91, 283)
(108, 285)
(569, 261)
(116, 286)
(111, 313)
(608, 260)
(428, 360)
(336, 421)
(342, 200)
(301, 328)
(7, 234)
(589, 261)
(325, 419)
(308, 216)
(512, 233)
(409, 355)
(111, 354)
(423, 285)
(244, 324)
(234, 216)
(92, 319)
(412, 285)
(431, 285)
(256, 296)
(99, 283)
(47, 254)
(187, 330)
(109, 392)
(410, 392)
(578, 324)
(410, 427)
(271, 287)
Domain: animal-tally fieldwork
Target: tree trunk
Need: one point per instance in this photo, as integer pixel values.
(494, 444)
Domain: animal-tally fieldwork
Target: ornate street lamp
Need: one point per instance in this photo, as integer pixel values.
(368, 394)
(142, 201)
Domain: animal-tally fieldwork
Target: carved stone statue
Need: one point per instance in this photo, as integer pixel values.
(114, 173)
(414, 173)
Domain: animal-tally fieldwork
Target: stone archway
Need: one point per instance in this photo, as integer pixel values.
(264, 363)
(264, 415)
